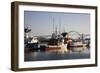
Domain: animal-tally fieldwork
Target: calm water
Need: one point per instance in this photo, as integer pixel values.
(76, 53)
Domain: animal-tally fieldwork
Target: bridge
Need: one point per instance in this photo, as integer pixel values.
(75, 33)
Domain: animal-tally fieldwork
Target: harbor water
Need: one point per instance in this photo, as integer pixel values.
(75, 53)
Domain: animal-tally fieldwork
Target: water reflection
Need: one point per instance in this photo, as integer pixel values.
(74, 53)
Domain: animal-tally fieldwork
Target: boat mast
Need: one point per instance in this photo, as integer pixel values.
(59, 25)
(53, 24)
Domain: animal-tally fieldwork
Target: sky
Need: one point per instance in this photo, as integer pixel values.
(44, 23)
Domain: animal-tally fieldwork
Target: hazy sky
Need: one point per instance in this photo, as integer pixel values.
(41, 23)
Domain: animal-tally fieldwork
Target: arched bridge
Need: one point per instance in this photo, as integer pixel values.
(75, 33)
